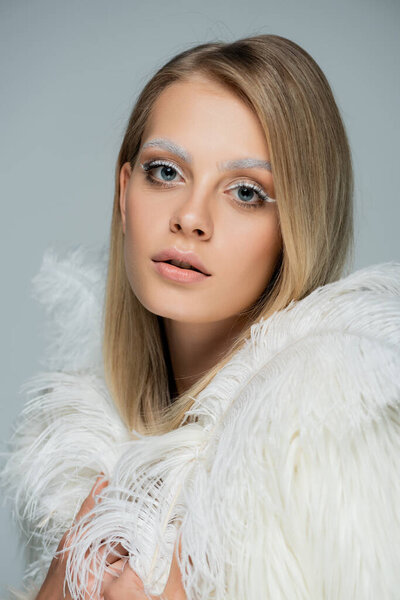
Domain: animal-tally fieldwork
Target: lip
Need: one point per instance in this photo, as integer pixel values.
(189, 257)
(177, 273)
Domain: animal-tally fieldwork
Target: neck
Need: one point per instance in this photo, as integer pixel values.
(194, 348)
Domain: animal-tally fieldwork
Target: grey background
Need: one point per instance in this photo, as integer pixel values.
(70, 72)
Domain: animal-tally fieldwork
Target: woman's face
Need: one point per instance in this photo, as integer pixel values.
(188, 199)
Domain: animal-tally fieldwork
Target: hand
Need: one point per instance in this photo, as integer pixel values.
(53, 585)
(129, 586)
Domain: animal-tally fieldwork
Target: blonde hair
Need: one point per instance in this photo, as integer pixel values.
(313, 179)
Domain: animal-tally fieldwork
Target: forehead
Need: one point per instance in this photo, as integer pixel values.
(193, 95)
(200, 111)
(197, 84)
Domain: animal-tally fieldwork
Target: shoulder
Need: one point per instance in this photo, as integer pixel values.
(309, 448)
(331, 361)
(67, 432)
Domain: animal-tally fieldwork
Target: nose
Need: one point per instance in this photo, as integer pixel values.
(192, 216)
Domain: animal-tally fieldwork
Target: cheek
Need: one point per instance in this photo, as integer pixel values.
(252, 256)
(138, 217)
(266, 248)
(143, 223)
(139, 231)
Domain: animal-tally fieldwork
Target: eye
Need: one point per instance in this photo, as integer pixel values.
(167, 172)
(250, 194)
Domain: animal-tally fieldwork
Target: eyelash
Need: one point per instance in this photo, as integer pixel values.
(152, 164)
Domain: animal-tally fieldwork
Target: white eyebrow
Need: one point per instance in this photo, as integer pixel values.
(171, 147)
(245, 163)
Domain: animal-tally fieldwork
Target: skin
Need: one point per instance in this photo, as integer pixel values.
(52, 587)
(122, 584)
(238, 245)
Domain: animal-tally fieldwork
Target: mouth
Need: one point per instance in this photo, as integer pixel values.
(179, 273)
(179, 260)
(182, 266)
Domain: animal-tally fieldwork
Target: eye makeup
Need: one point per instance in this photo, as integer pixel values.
(170, 146)
(151, 165)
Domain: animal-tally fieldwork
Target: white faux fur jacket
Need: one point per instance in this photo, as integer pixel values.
(286, 488)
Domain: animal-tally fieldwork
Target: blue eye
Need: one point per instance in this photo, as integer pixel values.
(246, 192)
(249, 190)
(168, 172)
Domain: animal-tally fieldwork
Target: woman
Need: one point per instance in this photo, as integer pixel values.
(251, 448)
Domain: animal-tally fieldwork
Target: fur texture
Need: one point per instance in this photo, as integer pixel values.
(284, 482)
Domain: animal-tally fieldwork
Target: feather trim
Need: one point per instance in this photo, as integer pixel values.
(309, 397)
(14, 594)
(143, 499)
(320, 398)
(301, 501)
(319, 372)
(67, 432)
(71, 289)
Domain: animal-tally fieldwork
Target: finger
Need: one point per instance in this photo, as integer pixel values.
(85, 508)
(100, 483)
(68, 539)
(174, 586)
(130, 577)
(127, 586)
(114, 558)
(115, 569)
(111, 574)
(89, 502)
(116, 553)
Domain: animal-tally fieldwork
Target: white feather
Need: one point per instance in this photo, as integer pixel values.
(287, 485)
(71, 290)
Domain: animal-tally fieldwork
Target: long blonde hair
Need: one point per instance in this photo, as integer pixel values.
(313, 179)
